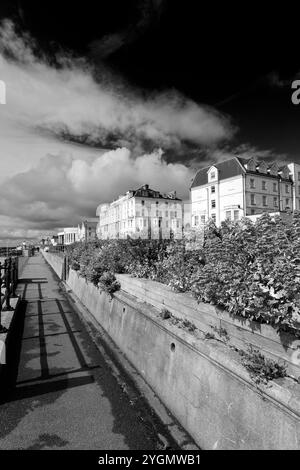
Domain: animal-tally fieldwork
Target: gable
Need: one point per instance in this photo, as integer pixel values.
(226, 169)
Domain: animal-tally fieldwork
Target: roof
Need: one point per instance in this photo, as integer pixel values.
(229, 168)
(226, 169)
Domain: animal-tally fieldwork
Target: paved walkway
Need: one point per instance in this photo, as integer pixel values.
(65, 396)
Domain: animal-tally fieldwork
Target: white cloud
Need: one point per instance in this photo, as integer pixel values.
(61, 189)
(46, 182)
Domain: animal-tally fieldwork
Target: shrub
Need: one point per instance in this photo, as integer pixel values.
(108, 283)
(251, 270)
(260, 368)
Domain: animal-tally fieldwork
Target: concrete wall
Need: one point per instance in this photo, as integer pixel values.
(202, 382)
(206, 317)
(55, 261)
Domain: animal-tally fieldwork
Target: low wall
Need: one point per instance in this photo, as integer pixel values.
(207, 318)
(55, 261)
(202, 382)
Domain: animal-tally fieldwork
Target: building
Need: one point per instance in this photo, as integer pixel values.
(294, 169)
(87, 230)
(68, 236)
(141, 213)
(54, 240)
(240, 187)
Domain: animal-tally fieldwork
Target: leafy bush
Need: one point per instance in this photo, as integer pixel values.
(260, 368)
(108, 283)
(251, 270)
(178, 266)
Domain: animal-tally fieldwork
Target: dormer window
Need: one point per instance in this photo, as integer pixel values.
(263, 167)
(251, 164)
(285, 172)
(273, 170)
(212, 174)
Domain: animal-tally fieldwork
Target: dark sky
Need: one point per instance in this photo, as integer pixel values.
(221, 55)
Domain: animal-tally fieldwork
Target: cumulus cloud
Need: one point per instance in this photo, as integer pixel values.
(61, 189)
(47, 180)
(65, 98)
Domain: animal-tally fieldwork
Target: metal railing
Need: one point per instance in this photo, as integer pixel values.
(8, 284)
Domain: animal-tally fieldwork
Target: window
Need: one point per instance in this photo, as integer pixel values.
(213, 203)
(145, 222)
(167, 223)
(287, 202)
(156, 203)
(252, 211)
(299, 190)
(264, 200)
(213, 189)
(298, 175)
(286, 189)
(143, 203)
(214, 217)
(252, 185)
(264, 186)
(252, 199)
(196, 220)
(274, 187)
(159, 223)
(177, 223)
(203, 219)
(236, 215)
(212, 175)
(275, 202)
(228, 215)
(156, 213)
(175, 214)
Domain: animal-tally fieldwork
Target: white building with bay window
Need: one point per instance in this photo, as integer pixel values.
(240, 187)
(142, 213)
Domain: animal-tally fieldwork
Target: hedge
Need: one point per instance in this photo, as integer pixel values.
(250, 269)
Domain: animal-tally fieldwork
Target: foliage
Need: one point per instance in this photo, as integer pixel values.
(250, 269)
(108, 283)
(260, 368)
(253, 270)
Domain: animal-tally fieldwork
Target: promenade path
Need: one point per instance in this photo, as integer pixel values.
(65, 396)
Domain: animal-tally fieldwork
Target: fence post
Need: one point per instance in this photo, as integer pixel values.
(2, 267)
(1, 327)
(14, 276)
(7, 283)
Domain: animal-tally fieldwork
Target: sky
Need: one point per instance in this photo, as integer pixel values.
(104, 99)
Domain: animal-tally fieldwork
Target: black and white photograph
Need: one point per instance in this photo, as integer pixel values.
(149, 231)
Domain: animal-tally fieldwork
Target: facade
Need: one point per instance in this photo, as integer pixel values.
(68, 236)
(87, 230)
(141, 213)
(294, 169)
(239, 187)
(54, 240)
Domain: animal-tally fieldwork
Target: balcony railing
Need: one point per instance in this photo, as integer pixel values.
(8, 284)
